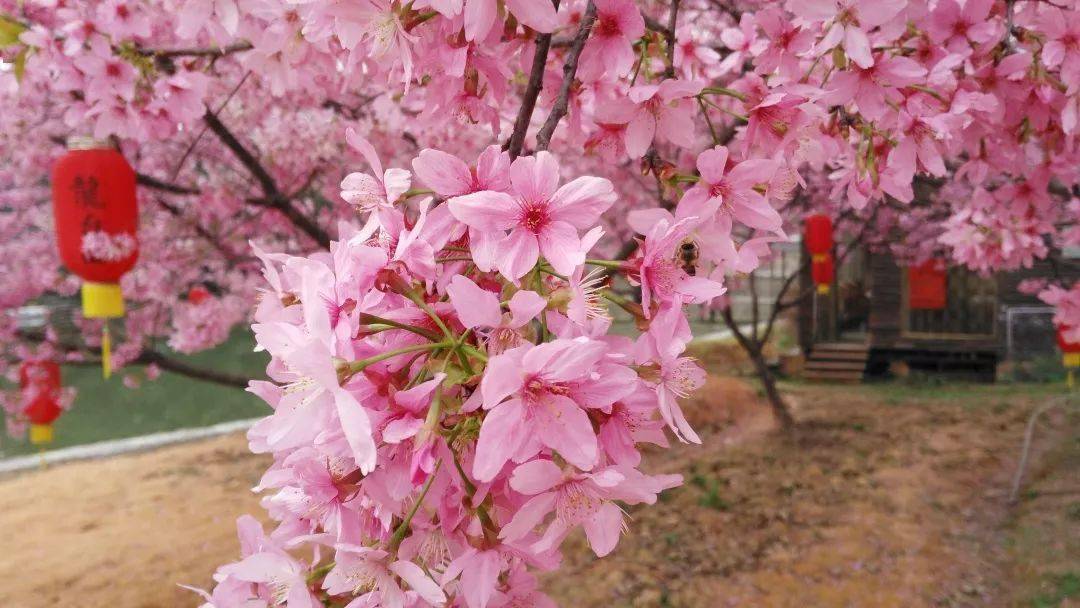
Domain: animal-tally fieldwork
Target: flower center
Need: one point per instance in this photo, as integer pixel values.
(534, 218)
(576, 503)
(607, 25)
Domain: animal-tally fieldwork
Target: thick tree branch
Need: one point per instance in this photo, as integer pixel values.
(669, 36)
(212, 52)
(151, 357)
(532, 93)
(272, 195)
(543, 138)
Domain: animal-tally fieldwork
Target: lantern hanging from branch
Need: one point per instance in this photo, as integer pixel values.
(39, 383)
(819, 234)
(96, 220)
(819, 243)
(1070, 352)
(927, 286)
(823, 271)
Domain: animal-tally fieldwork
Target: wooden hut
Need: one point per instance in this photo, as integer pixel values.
(868, 325)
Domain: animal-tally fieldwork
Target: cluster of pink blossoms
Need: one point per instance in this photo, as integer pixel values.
(448, 401)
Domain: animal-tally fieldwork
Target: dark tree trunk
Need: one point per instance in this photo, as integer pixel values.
(776, 401)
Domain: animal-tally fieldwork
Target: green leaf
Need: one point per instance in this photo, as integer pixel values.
(9, 31)
(20, 63)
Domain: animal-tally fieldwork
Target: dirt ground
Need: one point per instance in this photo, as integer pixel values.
(882, 499)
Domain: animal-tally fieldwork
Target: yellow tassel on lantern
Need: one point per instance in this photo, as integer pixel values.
(103, 301)
(106, 351)
(1072, 360)
(823, 289)
(41, 433)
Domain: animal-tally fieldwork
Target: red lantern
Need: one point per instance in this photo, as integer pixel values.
(823, 271)
(198, 294)
(927, 286)
(39, 382)
(96, 220)
(819, 234)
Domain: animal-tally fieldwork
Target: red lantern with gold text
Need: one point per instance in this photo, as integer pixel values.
(823, 271)
(927, 286)
(96, 220)
(39, 383)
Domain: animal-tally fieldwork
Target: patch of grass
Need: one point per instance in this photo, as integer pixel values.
(710, 497)
(964, 394)
(1061, 587)
(106, 409)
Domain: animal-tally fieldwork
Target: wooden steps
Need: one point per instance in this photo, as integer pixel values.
(837, 362)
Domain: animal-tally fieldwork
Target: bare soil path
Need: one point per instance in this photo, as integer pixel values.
(887, 497)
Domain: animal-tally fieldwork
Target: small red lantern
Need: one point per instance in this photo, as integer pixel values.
(819, 234)
(39, 382)
(927, 286)
(1070, 353)
(823, 271)
(96, 220)
(198, 294)
(1068, 347)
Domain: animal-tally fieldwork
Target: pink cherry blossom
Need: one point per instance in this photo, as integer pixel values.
(542, 217)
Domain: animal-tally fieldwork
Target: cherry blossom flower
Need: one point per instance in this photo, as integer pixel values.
(543, 217)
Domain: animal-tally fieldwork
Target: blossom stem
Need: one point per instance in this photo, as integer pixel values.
(359, 366)
(417, 192)
(616, 264)
(372, 320)
(724, 91)
(399, 533)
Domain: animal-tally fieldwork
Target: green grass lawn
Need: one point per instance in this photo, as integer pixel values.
(108, 410)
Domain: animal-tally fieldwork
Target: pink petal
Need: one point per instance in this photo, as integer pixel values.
(582, 201)
(528, 516)
(524, 306)
(486, 210)
(561, 247)
(535, 177)
(567, 429)
(639, 134)
(539, 16)
(419, 581)
(365, 148)
(357, 428)
(479, 17)
(479, 580)
(444, 173)
(857, 47)
(396, 182)
(501, 435)
(475, 306)
(502, 378)
(493, 169)
(712, 164)
(401, 429)
(603, 529)
(517, 254)
(536, 476)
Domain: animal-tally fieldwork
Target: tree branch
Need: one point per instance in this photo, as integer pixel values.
(152, 357)
(149, 181)
(272, 195)
(543, 138)
(212, 52)
(669, 35)
(532, 93)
